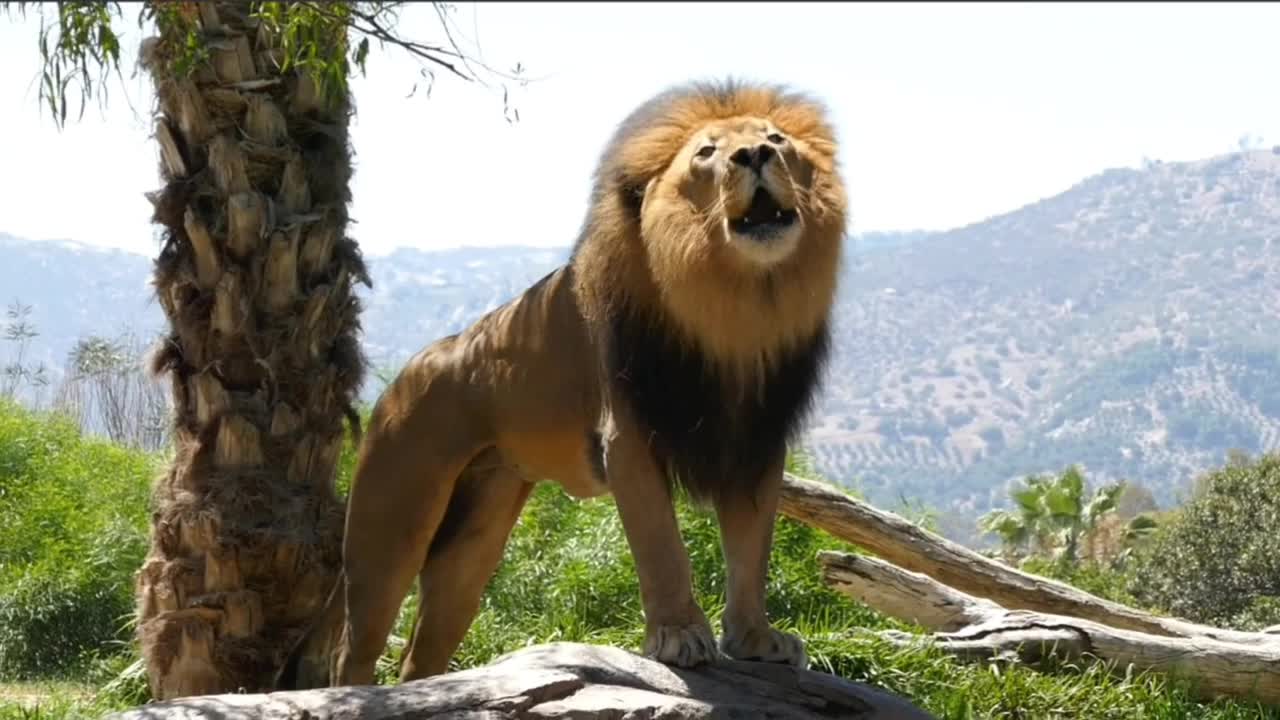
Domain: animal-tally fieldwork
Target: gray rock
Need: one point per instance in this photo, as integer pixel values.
(570, 681)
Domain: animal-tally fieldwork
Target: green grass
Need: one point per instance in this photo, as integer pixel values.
(567, 575)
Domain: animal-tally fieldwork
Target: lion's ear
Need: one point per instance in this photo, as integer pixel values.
(633, 195)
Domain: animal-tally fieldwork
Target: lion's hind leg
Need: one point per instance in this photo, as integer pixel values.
(403, 484)
(463, 557)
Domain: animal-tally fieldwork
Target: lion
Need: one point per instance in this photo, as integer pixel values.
(682, 343)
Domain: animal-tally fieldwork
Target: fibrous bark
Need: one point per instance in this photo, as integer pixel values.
(255, 278)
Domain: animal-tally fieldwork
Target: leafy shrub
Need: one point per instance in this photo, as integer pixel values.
(1263, 611)
(73, 516)
(1095, 578)
(1212, 560)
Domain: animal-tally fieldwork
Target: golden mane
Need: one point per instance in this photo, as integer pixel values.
(740, 319)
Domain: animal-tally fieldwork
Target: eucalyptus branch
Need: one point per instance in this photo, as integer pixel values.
(85, 39)
(369, 24)
(444, 23)
(83, 46)
(426, 52)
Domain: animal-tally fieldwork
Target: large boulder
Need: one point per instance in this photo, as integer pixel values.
(566, 680)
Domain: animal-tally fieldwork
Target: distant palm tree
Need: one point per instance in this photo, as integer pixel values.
(1052, 516)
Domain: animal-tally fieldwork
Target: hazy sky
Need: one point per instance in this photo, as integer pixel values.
(947, 113)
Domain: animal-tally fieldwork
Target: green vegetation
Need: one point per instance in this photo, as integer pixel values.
(1054, 516)
(1059, 529)
(73, 521)
(72, 531)
(1217, 560)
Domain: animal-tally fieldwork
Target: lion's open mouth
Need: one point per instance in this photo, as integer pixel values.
(763, 216)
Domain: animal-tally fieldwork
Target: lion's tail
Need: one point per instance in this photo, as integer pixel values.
(310, 662)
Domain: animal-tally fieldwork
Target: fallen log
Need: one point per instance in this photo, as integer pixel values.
(977, 629)
(911, 547)
(566, 680)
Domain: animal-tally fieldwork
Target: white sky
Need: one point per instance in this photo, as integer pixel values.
(948, 113)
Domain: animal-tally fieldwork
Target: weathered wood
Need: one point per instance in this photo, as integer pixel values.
(170, 154)
(911, 547)
(317, 249)
(208, 266)
(977, 629)
(230, 317)
(246, 221)
(233, 60)
(263, 121)
(294, 197)
(567, 680)
(230, 172)
(239, 444)
(281, 277)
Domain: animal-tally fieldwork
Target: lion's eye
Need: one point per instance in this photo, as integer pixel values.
(775, 138)
(706, 151)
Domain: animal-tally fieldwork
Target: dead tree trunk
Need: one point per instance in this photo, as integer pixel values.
(983, 610)
(978, 629)
(911, 547)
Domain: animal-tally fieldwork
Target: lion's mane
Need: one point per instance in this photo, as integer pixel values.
(718, 363)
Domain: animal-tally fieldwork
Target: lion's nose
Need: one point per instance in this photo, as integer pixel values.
(754, 158)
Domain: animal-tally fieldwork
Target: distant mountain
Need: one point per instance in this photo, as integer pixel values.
(75, 290)
(1129, 325)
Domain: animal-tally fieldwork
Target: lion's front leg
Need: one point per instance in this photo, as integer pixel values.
(746, 535)
(676, 630)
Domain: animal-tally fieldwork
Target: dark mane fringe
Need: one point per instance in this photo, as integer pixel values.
(711, 436)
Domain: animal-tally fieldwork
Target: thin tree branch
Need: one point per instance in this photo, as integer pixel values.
(384, 35)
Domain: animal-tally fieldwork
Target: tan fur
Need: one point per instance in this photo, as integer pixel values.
(474, 419)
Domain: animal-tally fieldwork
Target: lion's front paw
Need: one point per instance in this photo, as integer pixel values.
(681, 645)
(764, 644)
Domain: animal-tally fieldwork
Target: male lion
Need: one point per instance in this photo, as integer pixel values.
(683, 342)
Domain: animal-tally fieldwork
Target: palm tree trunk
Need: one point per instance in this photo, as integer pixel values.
(256, 280)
